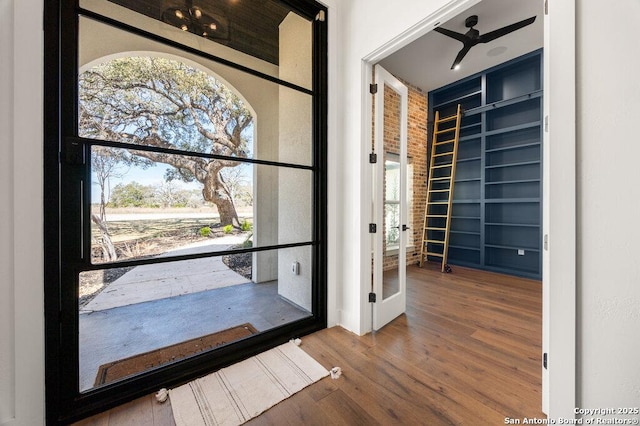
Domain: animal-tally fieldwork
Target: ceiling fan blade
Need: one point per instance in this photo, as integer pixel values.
(461, 55)
(460, 37)
(490, 36)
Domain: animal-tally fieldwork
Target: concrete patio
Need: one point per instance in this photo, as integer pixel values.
(154, 306)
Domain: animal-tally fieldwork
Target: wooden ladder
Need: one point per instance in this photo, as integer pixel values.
(442, 172)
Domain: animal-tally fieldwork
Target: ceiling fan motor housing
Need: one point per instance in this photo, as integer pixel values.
(471, 21)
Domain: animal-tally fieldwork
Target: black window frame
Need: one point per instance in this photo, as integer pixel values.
(64, 155)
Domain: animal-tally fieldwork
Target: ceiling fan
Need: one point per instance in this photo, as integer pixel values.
(473, 37)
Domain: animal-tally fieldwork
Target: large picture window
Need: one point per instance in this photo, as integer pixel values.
(189, 215)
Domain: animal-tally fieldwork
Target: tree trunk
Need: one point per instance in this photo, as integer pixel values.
(227, 211)
(108, 250)
(103, 204)
(214, 192)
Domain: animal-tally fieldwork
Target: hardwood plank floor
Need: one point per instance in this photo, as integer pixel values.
(467, 351)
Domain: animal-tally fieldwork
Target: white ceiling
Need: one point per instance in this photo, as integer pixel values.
(426, 62)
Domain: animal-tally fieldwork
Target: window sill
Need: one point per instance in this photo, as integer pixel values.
(394, 250)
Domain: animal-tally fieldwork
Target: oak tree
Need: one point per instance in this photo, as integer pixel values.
(164, 103)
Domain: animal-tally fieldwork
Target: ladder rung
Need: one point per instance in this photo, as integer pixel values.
(434, 254)
(441, 178)
(449, 118)
(435, 241)
(437, 202)
(442, 154)
(445, 142)
(436, 215)
(445, 130)
(440, 190)
(433, 228)
(441, 166)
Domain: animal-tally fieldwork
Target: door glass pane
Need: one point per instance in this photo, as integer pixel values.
(265, 35)
(139, 318)
(392, 218)
(392, 199)
(133, 90)
(146, 204)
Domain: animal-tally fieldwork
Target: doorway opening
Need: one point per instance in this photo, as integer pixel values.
(406, 57)
(496, 214)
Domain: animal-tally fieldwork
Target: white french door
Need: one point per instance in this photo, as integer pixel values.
(390, 198)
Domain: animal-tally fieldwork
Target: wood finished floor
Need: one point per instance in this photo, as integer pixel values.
(467, 351)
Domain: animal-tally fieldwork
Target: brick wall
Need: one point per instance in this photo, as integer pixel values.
(417, 150)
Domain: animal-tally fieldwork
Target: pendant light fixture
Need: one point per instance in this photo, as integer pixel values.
(196, 18)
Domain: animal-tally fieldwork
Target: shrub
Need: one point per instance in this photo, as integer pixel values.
(227, 229)
(205, 231)
(245, 226)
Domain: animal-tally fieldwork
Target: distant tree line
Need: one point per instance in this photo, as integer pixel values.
(167, 194)
(134, 194)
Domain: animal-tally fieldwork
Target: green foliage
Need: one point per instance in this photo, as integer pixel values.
(245, 226)
(248, 243)
(143, 99)
(132, 194)
(227, 229)
(205, 231)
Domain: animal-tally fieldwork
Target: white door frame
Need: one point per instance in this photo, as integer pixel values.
(559, 210)
(387, 309)
(559, 192)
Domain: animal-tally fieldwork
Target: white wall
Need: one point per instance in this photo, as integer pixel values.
(295, 136)
(608, 149)
(21, 217)
(369, 25)
(336, 34)
(7, 324)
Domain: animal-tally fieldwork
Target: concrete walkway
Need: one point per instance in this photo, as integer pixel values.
(164, 280)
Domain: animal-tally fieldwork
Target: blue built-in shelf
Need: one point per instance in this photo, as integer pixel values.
(522, 126)
(516, 147)
(497, 217)
(468, 97)
(462, 160)
(465, 232)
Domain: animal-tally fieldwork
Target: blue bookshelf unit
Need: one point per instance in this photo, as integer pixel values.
(497, 199)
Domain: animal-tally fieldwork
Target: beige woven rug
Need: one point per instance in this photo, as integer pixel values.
(236, 394)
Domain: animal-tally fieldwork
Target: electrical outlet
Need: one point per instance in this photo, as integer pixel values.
(295, 268)
(520, 252)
